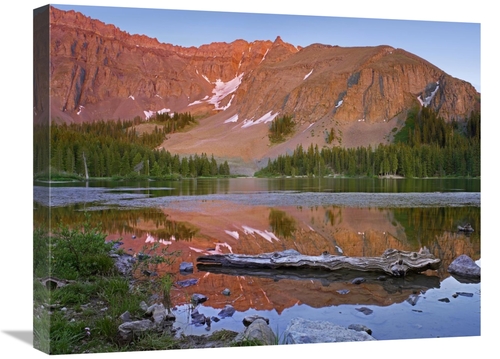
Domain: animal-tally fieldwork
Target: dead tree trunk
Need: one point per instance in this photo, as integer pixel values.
(392, 262)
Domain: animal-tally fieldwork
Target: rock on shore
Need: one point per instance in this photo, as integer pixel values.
(302, 331)
(464, 266)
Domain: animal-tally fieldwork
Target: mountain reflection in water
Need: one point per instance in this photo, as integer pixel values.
(219, 225)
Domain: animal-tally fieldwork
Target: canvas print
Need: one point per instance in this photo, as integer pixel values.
(215, 180)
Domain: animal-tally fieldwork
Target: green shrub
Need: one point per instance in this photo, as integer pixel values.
(65, 336)
(41, 331)
(116, 291)
(106, 327)
(77, 293)
(41, 252)
(81, 252)
(41, 294)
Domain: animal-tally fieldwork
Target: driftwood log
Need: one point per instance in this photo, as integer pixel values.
(55, 283)
(392, 262)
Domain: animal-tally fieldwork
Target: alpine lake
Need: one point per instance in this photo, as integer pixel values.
(353, 217)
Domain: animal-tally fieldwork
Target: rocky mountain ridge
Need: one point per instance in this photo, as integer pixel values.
(99, 72)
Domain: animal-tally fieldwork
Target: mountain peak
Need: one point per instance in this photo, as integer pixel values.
(99, 72)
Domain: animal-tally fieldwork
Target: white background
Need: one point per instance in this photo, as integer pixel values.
(16, 173)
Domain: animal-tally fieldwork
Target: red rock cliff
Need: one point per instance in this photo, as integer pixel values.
(100, 72)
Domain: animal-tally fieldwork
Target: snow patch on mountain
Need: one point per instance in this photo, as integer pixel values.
(233, 118)
(426, 102)
(233, 234)
(268, 117)
(150, 114)
(220, 92)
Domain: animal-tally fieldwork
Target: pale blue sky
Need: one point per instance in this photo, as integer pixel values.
(454, 47)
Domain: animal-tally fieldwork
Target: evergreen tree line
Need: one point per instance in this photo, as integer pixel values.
(423, 126)
(114, 148)
(280, 128)
(427, 146)
(41, 148)
(173, 122)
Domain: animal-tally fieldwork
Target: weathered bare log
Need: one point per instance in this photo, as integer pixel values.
(392, 262)
(54, 283)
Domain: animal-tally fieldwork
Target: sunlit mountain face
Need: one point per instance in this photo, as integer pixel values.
(235, 90)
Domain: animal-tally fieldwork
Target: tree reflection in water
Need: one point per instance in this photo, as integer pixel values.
(281, 224)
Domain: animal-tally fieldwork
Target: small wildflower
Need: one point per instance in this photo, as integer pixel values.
(87, 331)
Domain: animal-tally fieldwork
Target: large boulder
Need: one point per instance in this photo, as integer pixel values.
(157, 312)
(251, 318)
(156, 318)
(129, 329)
(302, 331)
(259, 332)
(464, 266)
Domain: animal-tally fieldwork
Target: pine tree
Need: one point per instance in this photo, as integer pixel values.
(125, 164)
(213, 167)
(184, 167)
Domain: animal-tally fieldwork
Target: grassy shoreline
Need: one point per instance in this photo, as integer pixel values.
(81, 296)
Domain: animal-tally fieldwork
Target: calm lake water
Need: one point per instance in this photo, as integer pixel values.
(353, 217)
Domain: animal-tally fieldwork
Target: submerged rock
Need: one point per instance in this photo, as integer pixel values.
(358, 280)
(463, 294)
(186, 267)
(198, 298)
(187, 282)
(198, 318)
(228, 311)
(365, 310)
